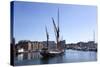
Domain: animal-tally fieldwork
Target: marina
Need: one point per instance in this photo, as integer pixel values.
(50, 52)
(52, 33)
(70, 56)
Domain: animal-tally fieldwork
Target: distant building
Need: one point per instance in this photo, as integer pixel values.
(36, 45)
(29, 45)
(62, 43)
(86, 46)
(23, 44)
(51, 44)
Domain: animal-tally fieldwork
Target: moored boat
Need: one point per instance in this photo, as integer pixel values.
(45, 52)
(53, 53)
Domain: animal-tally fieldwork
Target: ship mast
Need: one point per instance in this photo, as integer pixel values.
(58, 40)
(47, 35)
(56, 30)
(94, 36)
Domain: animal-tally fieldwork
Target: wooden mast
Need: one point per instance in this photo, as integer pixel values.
(56, 30)
(47, 35)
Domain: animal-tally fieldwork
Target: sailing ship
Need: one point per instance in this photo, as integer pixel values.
(45, 52)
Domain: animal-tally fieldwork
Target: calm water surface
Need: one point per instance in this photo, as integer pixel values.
(68, 57)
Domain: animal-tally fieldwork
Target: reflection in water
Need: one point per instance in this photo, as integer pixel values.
(29, 56)
(69, 56)
(20, 57)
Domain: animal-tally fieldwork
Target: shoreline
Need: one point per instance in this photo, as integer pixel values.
(94, 50)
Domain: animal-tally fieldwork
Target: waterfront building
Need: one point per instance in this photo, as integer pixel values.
(62, 43)
(26, 45)
(29, 45)
(36, 45)
(51, 44)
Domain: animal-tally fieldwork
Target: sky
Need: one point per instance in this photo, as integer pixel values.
(77, 22)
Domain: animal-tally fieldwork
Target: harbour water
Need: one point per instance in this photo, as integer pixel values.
(68, 57)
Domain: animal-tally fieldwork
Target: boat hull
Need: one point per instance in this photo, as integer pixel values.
(51, 54)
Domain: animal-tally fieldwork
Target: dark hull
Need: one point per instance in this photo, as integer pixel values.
(48, 54)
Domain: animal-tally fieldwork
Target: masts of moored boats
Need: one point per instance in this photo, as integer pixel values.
(45, 52)
(57, 35)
